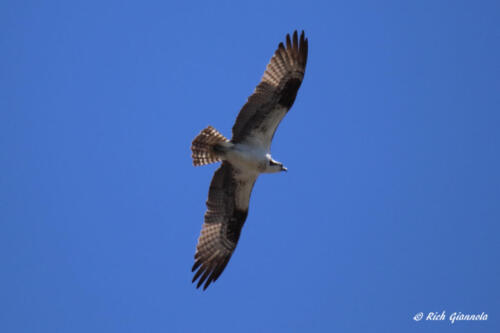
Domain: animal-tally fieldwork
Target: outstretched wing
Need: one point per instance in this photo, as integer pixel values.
(274, 95)
(227, 209)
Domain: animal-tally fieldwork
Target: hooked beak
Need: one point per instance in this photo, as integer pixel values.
(283, 168)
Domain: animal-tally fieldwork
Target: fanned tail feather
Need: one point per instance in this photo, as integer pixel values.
(204, 146)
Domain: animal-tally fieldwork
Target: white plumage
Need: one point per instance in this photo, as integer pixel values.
(244, 157)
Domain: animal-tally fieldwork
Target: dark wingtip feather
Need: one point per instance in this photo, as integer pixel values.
(207, 284)
(201, 270)
(295, 41)
(288, 42)
(304, 45)
(207, 273)
(218, 271)
(302, 38)
(197, 264)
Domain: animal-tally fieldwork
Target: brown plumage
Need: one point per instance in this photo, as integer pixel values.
(277, 88)
(231, 186)
(222, 227)
(203, 146)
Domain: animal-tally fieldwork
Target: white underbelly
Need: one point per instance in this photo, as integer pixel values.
(247, 158)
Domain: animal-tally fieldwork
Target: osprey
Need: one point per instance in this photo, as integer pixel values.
(244, 157)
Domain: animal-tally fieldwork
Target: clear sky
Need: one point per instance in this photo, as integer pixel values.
(391, 203)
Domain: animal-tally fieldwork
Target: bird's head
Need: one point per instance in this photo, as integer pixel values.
(275, 166)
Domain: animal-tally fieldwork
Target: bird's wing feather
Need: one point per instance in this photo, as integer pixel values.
(227, 209)
(274, 95)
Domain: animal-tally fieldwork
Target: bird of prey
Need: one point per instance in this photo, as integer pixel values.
(244, 157)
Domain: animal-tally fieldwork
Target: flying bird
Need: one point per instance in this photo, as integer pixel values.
(244, 157)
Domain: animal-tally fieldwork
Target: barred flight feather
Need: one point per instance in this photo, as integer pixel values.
(203, 146)
(253, 131)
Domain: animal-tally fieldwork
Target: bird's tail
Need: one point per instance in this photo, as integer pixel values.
(208, 147)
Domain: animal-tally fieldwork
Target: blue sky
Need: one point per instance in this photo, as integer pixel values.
(390, 206)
